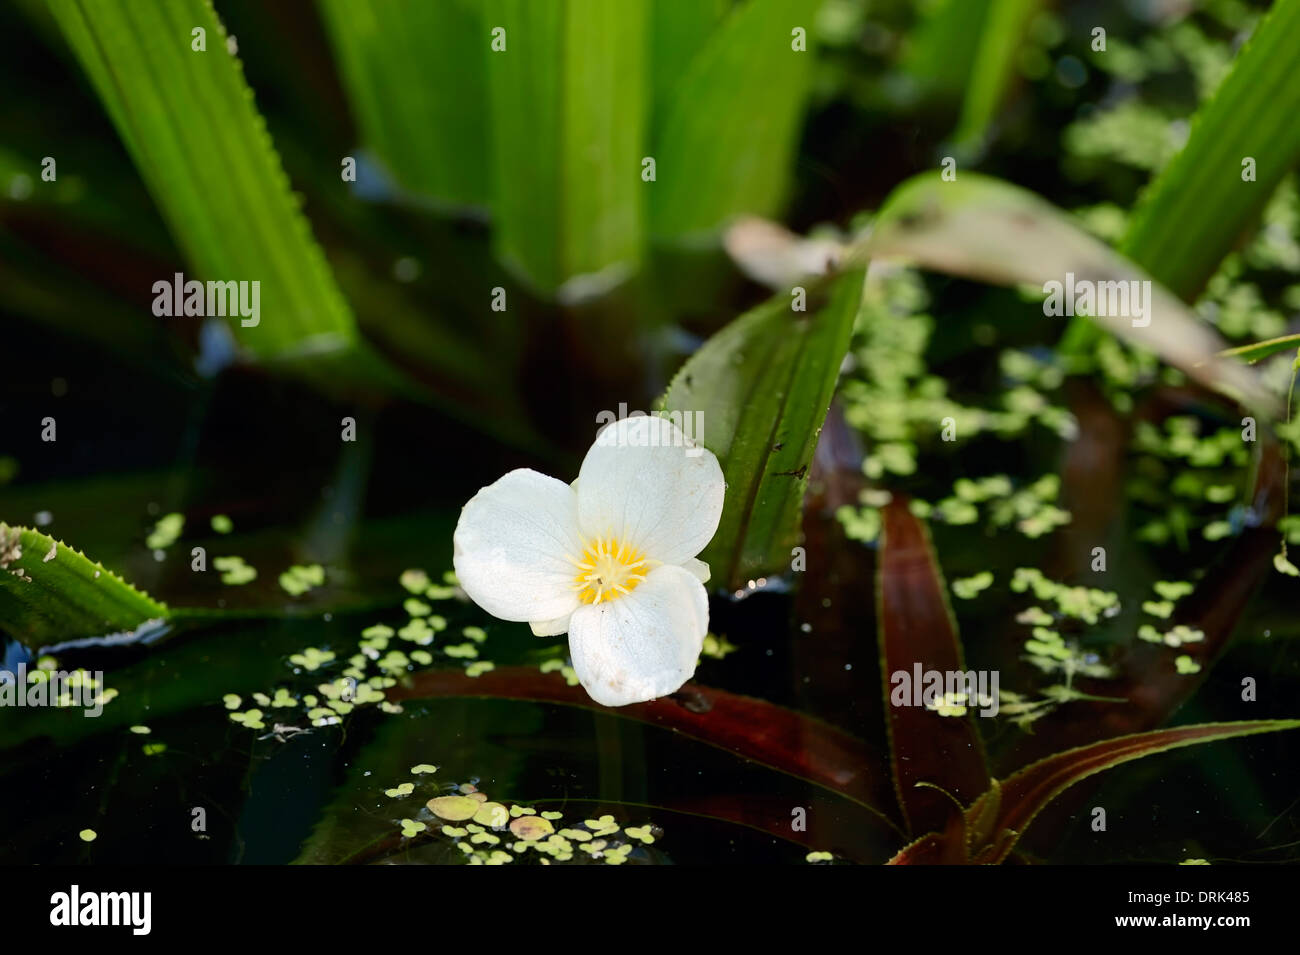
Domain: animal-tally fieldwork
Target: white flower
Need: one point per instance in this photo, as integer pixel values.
(610, 559)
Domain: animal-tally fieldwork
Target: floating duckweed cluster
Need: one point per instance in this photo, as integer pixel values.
(1086, 604)
(1178, 636)
(297, 580)
(556, 665)
(1049, 651)
(493, 833)
(76, 686)
(890, 397)
(165, 532)
(222, 524)
(819, 858)
(234, 570)
(1187, 478)
(956, 703)
(358, 684)
(968, 588)
(1032, 509)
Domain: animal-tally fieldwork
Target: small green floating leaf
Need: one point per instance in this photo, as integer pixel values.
(454, 808)
(88, 835)
(222, 524)
(412, 828)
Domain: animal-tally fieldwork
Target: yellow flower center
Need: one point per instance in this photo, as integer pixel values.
(608, 569)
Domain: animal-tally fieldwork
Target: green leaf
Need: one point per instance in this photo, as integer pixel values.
(993, 824)
(916, 627)
(415, 72)
(1261, 350)
(726, 141)
(188, 120)
(760, 389)
(990, 230)
(1198, 207)
(50, 592)
(1001, 38)
(568, 101)
(678, 31)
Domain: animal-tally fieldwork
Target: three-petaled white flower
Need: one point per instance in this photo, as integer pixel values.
(610, 558)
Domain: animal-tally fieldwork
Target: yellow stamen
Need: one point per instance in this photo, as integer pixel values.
(609, 568)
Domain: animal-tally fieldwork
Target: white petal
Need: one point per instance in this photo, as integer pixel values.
(512, 545)
(698, 569)
(643, 645)
(645, 481)
(550, 628)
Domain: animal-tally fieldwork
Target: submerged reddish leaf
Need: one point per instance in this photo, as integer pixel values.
(751, 728)
(991, 826)
(916, 627)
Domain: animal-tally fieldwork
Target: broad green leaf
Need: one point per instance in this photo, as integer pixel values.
(50, 592)
(416, 75)
(992, 231)
(916, 627)
(1001, 39)
(678, 30)
(1199, 205)
(989, 829)
(568, 102)
(726, 142)
(188, 120)
(758, 391)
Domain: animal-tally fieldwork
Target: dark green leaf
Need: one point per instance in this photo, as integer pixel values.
(759, 390)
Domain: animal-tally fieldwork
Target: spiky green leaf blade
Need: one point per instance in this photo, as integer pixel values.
(188, 120)
(50, 592)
